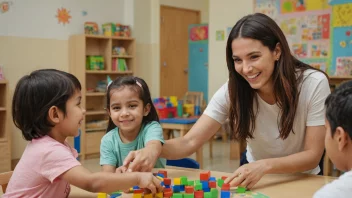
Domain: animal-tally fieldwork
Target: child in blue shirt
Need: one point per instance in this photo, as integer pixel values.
(133, 125)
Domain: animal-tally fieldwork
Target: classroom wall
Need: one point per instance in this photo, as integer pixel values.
(31, 38)
(222, 14)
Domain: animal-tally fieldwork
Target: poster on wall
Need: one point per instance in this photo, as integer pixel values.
(63, 16)
(344, 66)
(267, 7)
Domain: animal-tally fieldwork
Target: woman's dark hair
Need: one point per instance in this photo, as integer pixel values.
(242, 97)
(339, 108)
(35, 94)
(139, 86)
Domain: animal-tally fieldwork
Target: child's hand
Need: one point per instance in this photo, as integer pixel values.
(149, 181)
(121, 169)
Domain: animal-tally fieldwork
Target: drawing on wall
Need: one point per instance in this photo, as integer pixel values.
(220, 34)
(199, 33)
(228, 31)
(5, 6)
(84, 13)
(63, 16)
(317, 5)
(289, 6)
(267, 7)
(342, 15)
(344, 66)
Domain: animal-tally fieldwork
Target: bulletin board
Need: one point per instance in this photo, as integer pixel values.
(319, 32)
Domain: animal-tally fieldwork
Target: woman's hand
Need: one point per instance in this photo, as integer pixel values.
(121, 169)
(248, 175)
(142, 160)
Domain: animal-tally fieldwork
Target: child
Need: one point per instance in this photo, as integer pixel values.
(338, 141)
(46, 108)
(133, 125)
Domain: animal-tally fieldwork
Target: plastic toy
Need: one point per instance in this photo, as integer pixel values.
(109, 29)
(95, 63)
(91, 28)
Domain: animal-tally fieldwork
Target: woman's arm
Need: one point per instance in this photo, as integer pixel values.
(248, 175)
(108, 168)
(182, 147)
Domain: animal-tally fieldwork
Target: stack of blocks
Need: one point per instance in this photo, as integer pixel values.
(205, 187)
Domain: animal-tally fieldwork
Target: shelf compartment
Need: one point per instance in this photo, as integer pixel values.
(2, 109)
(98, 112)
(92, 94)
(3, 95)
(93, 140)
(122, 56)
(3, 123)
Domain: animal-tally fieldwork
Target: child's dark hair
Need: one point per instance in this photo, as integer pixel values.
(141, 87)
(35, 94)
(339, 108)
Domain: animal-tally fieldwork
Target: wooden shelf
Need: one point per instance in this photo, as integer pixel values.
(2, 109)
(102, 112)
(108, 37)
(3, 81)
(3, 139)
(96, 94)
(122, 56)
(108, 72)
(92, 130)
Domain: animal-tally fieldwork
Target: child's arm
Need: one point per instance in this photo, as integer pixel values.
(107, 182)
(108, 168)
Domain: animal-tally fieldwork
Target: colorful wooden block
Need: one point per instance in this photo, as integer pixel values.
(189, 189)
(139, 195)
(184, 180)
(177, 195)
(187, 195)
(176, 188)
(225, 194)
(167, 190)
(198, 187)
(167, 181)
(148, 195)
(164, 172)
(207, 195)
(168, 194)
(212, 179)
(205, 184)
(204, 176)
(225, 187)
(214, 192)
(159, 195)
(212, 184)
(138, 191)
(199, 194)
(177, 181)
(241, 189)
(160, 175)
(224, 178)
(102, 195)
(220, 182)
(190, 183)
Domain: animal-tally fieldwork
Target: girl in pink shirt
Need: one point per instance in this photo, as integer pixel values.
(46, 108)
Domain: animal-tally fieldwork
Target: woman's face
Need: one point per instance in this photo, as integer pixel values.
(254, 62)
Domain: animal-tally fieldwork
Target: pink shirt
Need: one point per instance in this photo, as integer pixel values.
(38, 172)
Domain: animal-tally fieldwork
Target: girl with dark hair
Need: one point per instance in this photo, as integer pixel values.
(273, 101)
(133, 125)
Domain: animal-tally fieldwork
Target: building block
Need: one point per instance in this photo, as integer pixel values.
(187, 195)
(220, 182)
(207, 195)
(168, 186)
(139, 195)
(160, 178)
(135, 187)
(138, 191)
(184, 180)
(162, 183)
(206, 189)
(176, 188)
(214, 193)
(204, 176)
(148, 195)
(225, 187)
(189, 189)
(167, 181)
(212, 184)
(115, 195)
(198, 194)
(164, 172)
(182, 188)
(224, 178)
(190, 183)
(102, 195)
(177, 195)
(197, 181)
(241, 189)
(212, 179)
(177, 181)
(167, 190)
(168, 194)
(159, 195)
(160, 175)
(205, 184)
(199, 187)
(225, 194)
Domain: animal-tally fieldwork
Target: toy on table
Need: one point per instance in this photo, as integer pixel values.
(91, 28)
(95, 63)
(205, 187)
(165, 108)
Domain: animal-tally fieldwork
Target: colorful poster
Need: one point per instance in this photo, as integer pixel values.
(267, 7)
(220, 34)
(300, 50)
(343, 66)
(317, 5)
(321, 64)
(342, 15)
(342, 45)
(198, 33)
(319, 49)
(289, 6)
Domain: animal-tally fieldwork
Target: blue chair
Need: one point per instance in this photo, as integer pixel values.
(185, 163)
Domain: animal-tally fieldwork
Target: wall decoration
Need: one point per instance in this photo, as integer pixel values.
(198, 33)
(5, 6)
(342, 15)
(290, 6)
(228, 31)
(63, 16)
(84, 13)
(344, 66)
(268, 7)
(220, 34)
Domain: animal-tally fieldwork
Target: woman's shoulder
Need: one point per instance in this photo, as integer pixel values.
(314, 75)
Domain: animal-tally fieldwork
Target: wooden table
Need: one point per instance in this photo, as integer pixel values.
(280, 185)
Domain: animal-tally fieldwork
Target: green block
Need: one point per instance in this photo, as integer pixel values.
(186, 195)
(214, 193)
(241, 189)
(177, 195)
(190, 183)
(220, 182)
(207, 195)
(198, 181)
(199, 187)
(184, 180)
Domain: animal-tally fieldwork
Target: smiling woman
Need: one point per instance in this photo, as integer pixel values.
(272, 100)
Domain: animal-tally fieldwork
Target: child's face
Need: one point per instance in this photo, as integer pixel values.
(74, 115)
(127, 110)
(332, 147)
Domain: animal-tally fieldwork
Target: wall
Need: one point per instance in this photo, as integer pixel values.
(202, 5)
(231, 11)
(31, 38)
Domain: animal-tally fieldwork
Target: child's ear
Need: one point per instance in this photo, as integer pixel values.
(54, 115)
(146, 109)
(341, 138)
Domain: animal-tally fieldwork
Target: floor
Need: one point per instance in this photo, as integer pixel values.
(220, 161)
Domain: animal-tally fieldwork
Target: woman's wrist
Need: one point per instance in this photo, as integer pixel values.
(267, 165)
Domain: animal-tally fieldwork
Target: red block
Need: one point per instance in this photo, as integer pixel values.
(199, 194)
(212, 184)
(223, 177)
(189, 189)
(205, 176)
(164, 172)
(138, 191)
(225, 187)
(167, 190)
(168, 194)
(167, 181)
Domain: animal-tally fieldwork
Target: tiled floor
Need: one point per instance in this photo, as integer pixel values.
(220, 161)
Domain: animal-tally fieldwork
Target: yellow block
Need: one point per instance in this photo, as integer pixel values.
(188, 108)
(177, 181)
(102, 195)
(138, 195)
(148, 195)
(159, 195)
(160, 178)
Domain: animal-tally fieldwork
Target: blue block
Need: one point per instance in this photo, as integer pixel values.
(212, 179)
(182, 188)
(206, 189)
(176, 189)
(160, 175)
(225, 194)
(205, 184)
(135, 187)
(167, 186)
(115, 195)
(162, 183)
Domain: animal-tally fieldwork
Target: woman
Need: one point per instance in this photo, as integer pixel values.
(273, 101)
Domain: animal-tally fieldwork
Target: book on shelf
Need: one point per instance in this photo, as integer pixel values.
(119, 64)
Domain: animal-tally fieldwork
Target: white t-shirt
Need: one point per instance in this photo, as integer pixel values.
(340, 188)
(266, 144)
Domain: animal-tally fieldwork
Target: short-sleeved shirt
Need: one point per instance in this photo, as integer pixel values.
(339, 188)
(38, 172)
(266, 143)
(113, 151)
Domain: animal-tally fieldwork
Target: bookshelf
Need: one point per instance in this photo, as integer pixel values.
(81, 47)
(5, 136)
